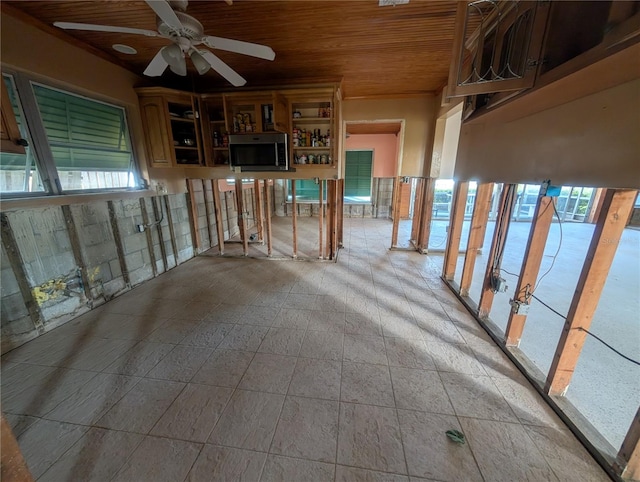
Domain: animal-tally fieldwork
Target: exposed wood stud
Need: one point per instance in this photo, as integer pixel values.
(320, 218)
(207, 211)
(477, 231)
(215, 189)
(17, 265)
(76, 247)
(158, 216)
(267, 199)
(258, 210)
(228, 197)
(505, 212)
(334, 218)
(13, 467)
(427, 213)
(340, 209)
(612, 219)
(397, 196)
(458, 205)
(172, 232)
(417, 211)
(627, 463)
(533, 254)
(147, 232)
(294, 218)
(193, 217)
(115, 229)
(241, 221)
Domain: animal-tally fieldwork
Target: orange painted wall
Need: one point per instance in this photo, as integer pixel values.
(385, 151)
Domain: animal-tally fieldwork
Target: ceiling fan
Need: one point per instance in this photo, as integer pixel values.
(186, 34)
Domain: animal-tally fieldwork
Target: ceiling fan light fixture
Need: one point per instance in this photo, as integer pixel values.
(202, 66)
(174, 56)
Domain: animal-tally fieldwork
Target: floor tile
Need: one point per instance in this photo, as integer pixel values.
(527, 404)
(197, 310)
(294, 318)
(269, 373)
(316, 379)
(363, 324)
(259, 315)
(476, 396)
(322, 344)
(159, 460)
(225, 463)
(19, 423)
(365, 349)
(142, 406)
(98, 355)
(140, 359)
(280, 468)
(45, 441)
(308, 429)
(455, 358)
(439, 331)
(98, 455)
(282, 341)
(249, 420)
(398, 327)
(181, 364)
(494, 362)
(298, 301)
(207, 334)
(363, 383)
(498, 449)
(369, 437)
(420, 390)
(331, 303)
(173, 331)
(224, 368)
(351, 474)
(194, 413)
(244, 337)
(408, 353)
(430, 453)
(226, 313)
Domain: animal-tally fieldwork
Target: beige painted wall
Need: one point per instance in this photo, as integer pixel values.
(28, 49)
(592, 141)
(418, 114)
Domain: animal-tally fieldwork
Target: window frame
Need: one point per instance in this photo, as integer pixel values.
(39, 142)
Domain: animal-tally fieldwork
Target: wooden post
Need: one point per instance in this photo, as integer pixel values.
(627, 464)
(267, 201)
(331, 218)
(258, 210)
(294, 217)
(530, 267)
(193, 213)
(215, 187)
(13, 467)
(417, 212)
(320, 218)
(241, 224)
(503, 219)
(616, 206)
(172, 231)
(340, 212)
(397, 195)
(427, 214)
(156, 219)
(458, 204)
(477, 231)
(207, 213)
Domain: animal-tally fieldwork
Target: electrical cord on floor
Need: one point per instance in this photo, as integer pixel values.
(588, 333)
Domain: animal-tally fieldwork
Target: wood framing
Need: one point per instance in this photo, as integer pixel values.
(417, 212)
(294, 218)
(215, 188)
(329, 221)
(397, 196)
(616, 207)
(320, 218)
(193, 215)
(157, 217)
(424, 232)
(533, 253)
(259, 216)
(207, 212)
(331, 218)
(340, 213)
(627, 464)
(267, 202)
(242, 226)
(503, 219)
(13, 467)
(458, 205)
(477, 231)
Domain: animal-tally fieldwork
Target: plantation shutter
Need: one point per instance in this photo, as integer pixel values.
(358, 170)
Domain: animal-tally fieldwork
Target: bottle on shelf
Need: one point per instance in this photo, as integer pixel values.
(216, 139)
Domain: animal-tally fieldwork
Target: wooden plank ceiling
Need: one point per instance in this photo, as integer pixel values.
(376, 51)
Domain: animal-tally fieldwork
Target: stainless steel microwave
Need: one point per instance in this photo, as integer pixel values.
(259, 152)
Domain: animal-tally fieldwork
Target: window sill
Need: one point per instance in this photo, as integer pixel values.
(37, 201)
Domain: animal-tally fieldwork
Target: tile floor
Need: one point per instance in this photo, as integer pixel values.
(242, 369)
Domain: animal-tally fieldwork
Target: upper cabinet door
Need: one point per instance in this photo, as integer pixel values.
(281, 116)
(156, 126)
(497, 46)
(10, 137)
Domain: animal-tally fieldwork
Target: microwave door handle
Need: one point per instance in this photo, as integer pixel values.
(275, 146)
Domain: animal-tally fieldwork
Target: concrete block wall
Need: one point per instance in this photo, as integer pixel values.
(70, 259)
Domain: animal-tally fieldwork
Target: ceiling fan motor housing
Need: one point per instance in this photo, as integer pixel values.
(191, 28)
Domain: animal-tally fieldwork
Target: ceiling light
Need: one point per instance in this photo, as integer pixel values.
(202, 66)
(124, 49)
(174, 56)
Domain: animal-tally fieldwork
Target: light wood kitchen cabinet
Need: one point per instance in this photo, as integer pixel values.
(250, 112)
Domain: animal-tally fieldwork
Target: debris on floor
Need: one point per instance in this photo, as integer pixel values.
(456, 436)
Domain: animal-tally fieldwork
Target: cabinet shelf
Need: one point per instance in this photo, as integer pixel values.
(220, 148)
(186, 148)
(306, 166)
(182, 119)
(325, 148)
(312, 120)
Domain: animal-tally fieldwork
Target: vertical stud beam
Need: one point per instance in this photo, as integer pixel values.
(533, 253)
(207, 212)
(267, 199)
(172, 232)
(77, 249)
(331, 218)
(417, 211)
(320, 218)
(458, 204)
(477, 231)
(259, 216)
(294, 217)
(627, 463)
(115, 229)
(157, 217)
(340, 212)
(147, 233)
(241, 224)
(616, 206)
(397, 196)
(13, 467)
(503, 219)
(215, 189)
(427, 214)
(193, 216)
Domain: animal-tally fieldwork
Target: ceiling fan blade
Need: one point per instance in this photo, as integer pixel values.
(239, 47)
(166, 13)
(223, 69)
(157, 66)
(104, 28)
